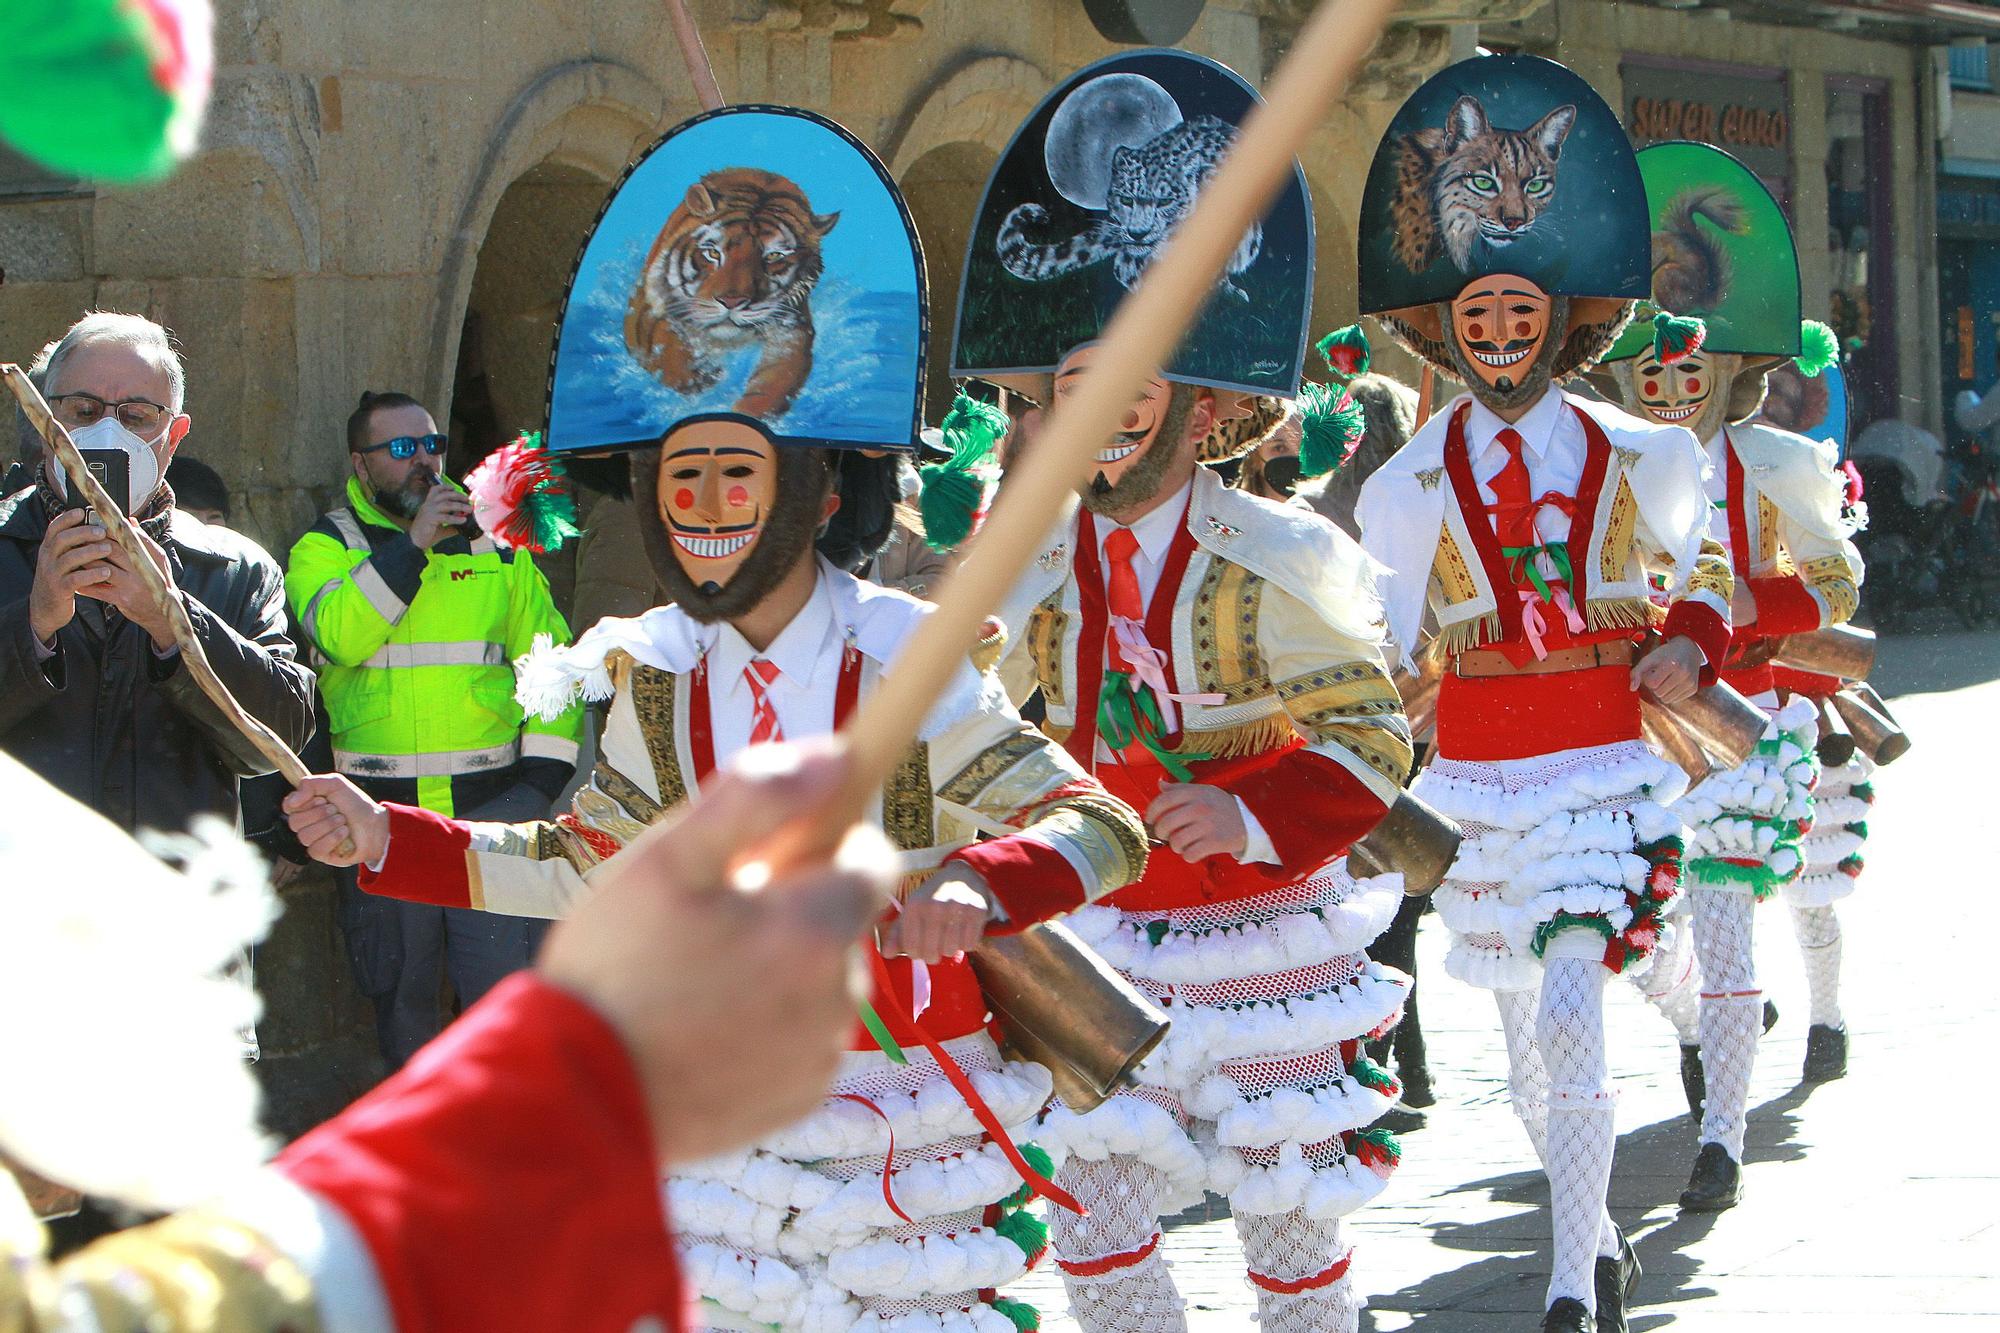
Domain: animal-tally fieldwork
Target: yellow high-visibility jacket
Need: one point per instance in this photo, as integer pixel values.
(416, 651)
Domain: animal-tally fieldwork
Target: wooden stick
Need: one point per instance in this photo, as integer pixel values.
(700, 72)
(1426, 392)
(1140, 338)
(165, 597)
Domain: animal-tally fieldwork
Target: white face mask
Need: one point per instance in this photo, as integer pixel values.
(142, 469)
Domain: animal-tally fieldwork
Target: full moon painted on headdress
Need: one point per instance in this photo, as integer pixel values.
(758, 262)
(1502, 164)
(1088, 192)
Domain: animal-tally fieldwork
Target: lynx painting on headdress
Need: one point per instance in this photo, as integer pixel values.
(1152, 188)
(1469, 185)
(1690, 267)
(732, 268)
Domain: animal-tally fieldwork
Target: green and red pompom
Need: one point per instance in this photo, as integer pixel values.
(1024, 1317)
(1345, 351)
(1677, 336)
(521, 497)
(1331, 425)
(1819, 348)
(1038, 1158)
(109, 90)
(1377, 1149)
(954, 491)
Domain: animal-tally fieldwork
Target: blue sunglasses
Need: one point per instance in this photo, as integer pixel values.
(405, 446)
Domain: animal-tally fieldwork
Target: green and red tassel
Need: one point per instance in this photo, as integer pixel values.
(1677, 336)
(1331, 425)
(1028, 1233)
(1345, 351)
(521, 497)
(108, 90)
(1045, 1167)
(1024, 1317)
(1819, 348)
(1377, 1149)
(954, 490)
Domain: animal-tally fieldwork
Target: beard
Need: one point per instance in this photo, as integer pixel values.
(408, 498)
(1510, 393)
(1155, 467)
(804, 482)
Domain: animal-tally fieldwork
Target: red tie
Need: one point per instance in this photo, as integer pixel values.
(1513, 509)
(1123, 594)
(764, 719)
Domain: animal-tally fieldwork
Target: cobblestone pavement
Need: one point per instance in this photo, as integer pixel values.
(1873, 1202)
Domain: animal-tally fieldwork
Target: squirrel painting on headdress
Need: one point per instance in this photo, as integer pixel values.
(1690, 268)
(1470, 183)
(734, 266)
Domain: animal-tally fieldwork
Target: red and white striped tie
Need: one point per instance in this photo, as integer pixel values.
(764, 718)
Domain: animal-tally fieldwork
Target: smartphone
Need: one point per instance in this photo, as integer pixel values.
(113, 470)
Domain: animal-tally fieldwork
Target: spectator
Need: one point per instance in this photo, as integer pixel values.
(93, 693)
(199, 490)
(417, 627)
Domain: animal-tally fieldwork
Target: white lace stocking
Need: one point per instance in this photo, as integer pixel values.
(1123, 1196)
(1289, 1247)
(1818, 930)
(1581, 1134)
(1732, 1011)
(1528, 1087)
(1671, 982)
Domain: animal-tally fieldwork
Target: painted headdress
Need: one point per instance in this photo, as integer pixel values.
(1087, 193)
(753, 288)
(1722, 253)
(1503, 166)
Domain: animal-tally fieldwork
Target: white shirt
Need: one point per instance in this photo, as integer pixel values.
(1155, 531)
(807, 654)
(1552, 443)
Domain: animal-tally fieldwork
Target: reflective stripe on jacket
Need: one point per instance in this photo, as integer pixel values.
(416, 648)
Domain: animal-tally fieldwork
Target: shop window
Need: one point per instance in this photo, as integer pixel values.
(1860, 246)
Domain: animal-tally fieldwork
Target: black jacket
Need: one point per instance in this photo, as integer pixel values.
(124, 731)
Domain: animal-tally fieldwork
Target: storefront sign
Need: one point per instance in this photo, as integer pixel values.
(1748, 115)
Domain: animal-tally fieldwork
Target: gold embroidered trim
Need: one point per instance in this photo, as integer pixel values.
(907, 801)
(1711, 571)
(1223, 626)
(1451, 573)
(988, 765)
(626, 792)
(1832, 577)
(1614, 550)
(1123, 833)
(1767, 531)
(1356, 707)
(1048, 625)
(1245, 738)
(653, 701)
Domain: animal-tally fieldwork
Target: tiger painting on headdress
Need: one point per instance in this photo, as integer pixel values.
(733, 267)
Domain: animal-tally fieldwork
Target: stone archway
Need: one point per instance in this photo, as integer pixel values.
(940, 151)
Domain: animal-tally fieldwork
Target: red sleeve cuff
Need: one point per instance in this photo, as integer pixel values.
(507, 1176)
(1032, 880)
(1312, 808)
(426, 860)
(1708, 629)
(1784, 606)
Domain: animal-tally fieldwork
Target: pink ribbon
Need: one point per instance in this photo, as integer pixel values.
(1533, 625)
(920, 988)
(1149, 664)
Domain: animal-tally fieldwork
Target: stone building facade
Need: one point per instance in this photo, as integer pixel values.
(391, 195)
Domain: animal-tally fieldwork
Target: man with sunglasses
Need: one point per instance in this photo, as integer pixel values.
(93, 693)
(415, 620)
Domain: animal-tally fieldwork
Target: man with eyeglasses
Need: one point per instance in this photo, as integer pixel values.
(93, 693)
(415, 619)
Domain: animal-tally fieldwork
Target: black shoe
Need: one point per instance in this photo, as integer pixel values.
(1400, 1119)
(1717, 1182)
(1826, 1053)
(1417, 1092)
(1770, 1015)
(1567, 1315)
(1616, 1279)
(1694, 1080)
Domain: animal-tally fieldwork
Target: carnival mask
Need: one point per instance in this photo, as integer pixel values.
(1673, 395)
(1499, 324)
(725, 513)
(1134, 465)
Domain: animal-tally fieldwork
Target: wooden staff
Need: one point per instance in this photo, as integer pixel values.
(700, 72)
(1426, 391)
(159, 588)
(1140, 338)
